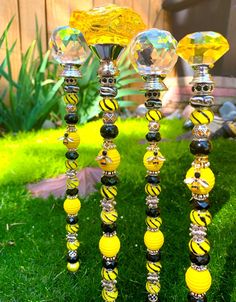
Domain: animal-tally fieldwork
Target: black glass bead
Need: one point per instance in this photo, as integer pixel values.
(109, 228)
(72, 155)
(153, 258)
(72, 192)
(199, 88)
(72, 257)
(109, 131)
(71, 118)
(153, 137)
(72, 219)
(154, 180)
(200, 204)
(109, 180)
(109, 264)
(199, 260)
(151, 212)
(191, 298)
(200, 147)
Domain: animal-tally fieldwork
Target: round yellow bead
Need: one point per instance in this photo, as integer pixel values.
(153, 115)
(73, 267)
(201, 116)
(72, 245)
(109, 296)
(200, 218)
(199, 248)
(108, 105)
(203, 183)
(153, 288)
(110, 161)
(71, 98)
(71, 140)
(153, 222)
(153, 267)
(109, 274)
(198, 282)
(154, 240)
(152, 189)
(72, 206)
(109, 246)
(109, 217)
(153, 162)
(71, 164)
(108, 192)
(72, 228)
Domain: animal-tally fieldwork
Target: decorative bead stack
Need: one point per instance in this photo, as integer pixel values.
(65, 43)
(153, 55)
(107, 31)
(201, 50)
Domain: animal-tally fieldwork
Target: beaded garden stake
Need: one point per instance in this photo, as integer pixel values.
(107, 31)
(153, 55)
(201, 50)
(70, 50)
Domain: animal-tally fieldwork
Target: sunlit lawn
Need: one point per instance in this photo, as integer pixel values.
(32, 231)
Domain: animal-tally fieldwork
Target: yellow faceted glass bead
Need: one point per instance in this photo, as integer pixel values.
(71, 98)
(109, 246)
(109, 274)
(72, 206)
(198, 282)
(200, 218)
(200, 181)
(109, 217)
(72, 228)
(153, 222)
(71, 164)
(202, 116)
(109, 24)
(71, 140)
(153, 115)
(153, 267)
(153, 160)
(73, 267)
(152, 189)
(153, 288)
(153, 240)
(199, 248)
(202, 47)
(110, 296)
(72, 245)
(108, 160)
(108, 192)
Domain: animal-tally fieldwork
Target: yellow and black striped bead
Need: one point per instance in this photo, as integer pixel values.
(109, 217)
(199, 248)
(71, 164)
(202, 116)
(72, 183)
(153, 288)
(72, 246)
(108, 104)
(72, 228)
(201, 218)
(153, 222)
(109, 296)
(153, 267)
(109, 274)
(152, 190)
(153, 115)
(71, 98)
(108, 192)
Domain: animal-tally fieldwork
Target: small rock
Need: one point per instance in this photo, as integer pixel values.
(187, 111)
(141, 110)
(175, 114)
(228, 111)
(48, 125)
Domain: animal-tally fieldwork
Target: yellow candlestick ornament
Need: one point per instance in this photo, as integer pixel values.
(201, 50)
(107, 31)
(70, 50)
(153, 54)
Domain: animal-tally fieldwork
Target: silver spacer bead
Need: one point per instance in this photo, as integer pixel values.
(199, 268)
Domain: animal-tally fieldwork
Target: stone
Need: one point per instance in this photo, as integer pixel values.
(202, 48)
(108, 24)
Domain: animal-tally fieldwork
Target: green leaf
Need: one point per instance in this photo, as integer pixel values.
(127, 91)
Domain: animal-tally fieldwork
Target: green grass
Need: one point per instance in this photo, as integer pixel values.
(32, 231)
